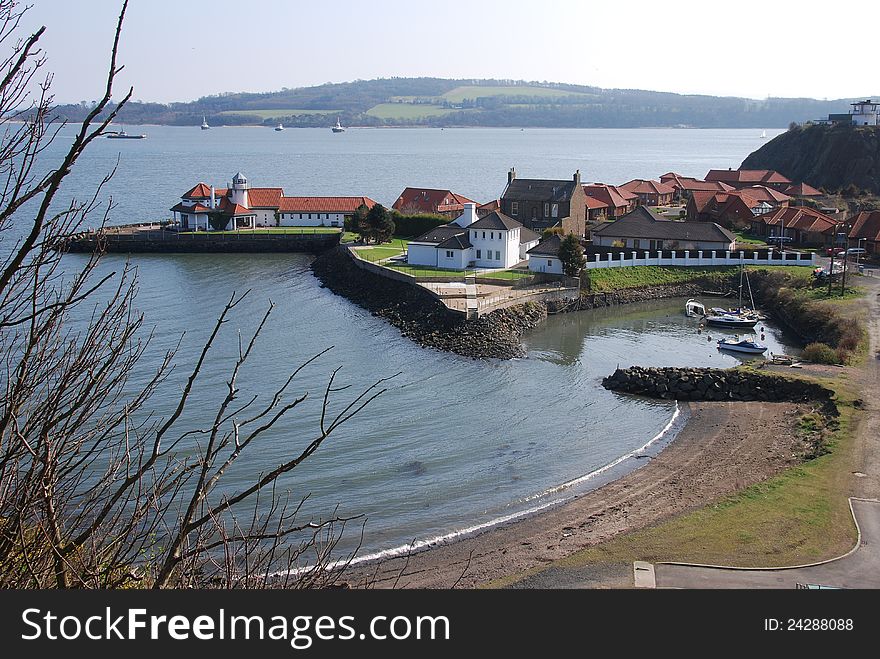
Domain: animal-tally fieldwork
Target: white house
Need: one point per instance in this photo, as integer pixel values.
(545, 256)
(319, 211)
(493, 242)
(204, 208)
(864, 113)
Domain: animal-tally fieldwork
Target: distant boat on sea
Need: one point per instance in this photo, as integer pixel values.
(205, 125)
(122, 135)
(279, 127)
(763, 134)
(338, 127)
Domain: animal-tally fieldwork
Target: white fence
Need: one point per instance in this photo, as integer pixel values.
(699, 258)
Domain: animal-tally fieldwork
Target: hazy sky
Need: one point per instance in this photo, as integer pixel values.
(177, 50)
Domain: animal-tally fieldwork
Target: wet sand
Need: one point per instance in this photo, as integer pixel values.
(723, 448)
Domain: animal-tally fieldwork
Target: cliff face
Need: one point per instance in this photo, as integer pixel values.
(830, 157)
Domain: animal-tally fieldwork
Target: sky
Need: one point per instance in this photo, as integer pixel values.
(180, 50)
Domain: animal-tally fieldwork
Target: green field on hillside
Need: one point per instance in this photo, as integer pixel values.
(281, 112)
(407, 111)
(460, 93)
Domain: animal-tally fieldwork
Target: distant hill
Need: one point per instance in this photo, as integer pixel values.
(441, 102)
(839, 158)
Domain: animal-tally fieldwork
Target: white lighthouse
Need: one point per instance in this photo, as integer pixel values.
(238, 193)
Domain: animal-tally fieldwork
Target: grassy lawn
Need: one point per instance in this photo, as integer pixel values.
(743, 238)
(350, 237)
(281, 112)
(407, 111)
(605, 280)
(458, 94)
(427, 271)
(507, 274)
(384, 251)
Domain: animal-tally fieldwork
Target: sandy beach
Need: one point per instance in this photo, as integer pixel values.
(723, 448)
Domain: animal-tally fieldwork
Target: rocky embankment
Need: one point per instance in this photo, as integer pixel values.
(713, 384)
(424, 319)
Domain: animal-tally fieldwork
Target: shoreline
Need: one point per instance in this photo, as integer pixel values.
(576, 487)
(722, 448)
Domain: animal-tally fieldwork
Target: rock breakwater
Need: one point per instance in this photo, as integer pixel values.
(713, 384)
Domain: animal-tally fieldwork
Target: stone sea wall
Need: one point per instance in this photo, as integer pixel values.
(713, 384)
(424, 319)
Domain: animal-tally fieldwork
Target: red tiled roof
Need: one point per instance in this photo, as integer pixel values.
(611, 195)
(802, 190)
(801, 218)
(763, 193)
(324, 204)
(200, 191)
(265, 197)
(866, 225)
(593, 203)
(197, 208)
(428, 200)
(746, 176)
(228, 208)
(644, 186)
(703, 199)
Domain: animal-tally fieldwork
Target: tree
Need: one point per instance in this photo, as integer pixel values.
(95, 490)
(375, 225)
(353, 222)
(572, 255)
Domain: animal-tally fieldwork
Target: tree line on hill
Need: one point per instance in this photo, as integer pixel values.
(577, 107)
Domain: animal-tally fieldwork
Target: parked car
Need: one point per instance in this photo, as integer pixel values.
(855, 251)
(834, 251)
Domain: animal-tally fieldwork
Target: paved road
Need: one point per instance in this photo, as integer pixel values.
(858, 570)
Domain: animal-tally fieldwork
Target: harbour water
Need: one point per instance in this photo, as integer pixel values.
(453, 443)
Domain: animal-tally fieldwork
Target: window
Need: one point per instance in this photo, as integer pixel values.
(475, 234)
(549, 262)
(635, 243)
(623, 242)
(534, 213)
(514, 208)
(448, 253)
(555, 210)
(478, 254)
(491, 235)
(497, 256)
(546, 209)
(484, 235)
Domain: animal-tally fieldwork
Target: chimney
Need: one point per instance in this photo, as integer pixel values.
(511, 175)
(213, 198)
(577, 177)
(469, 216)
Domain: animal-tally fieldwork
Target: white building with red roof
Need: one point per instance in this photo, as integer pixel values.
(240, 206)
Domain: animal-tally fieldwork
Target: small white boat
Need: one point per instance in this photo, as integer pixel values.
(279, 127)
(763, 134)
(730, 320)
(694, 309)
(737, 344)
(205, 125)
(338, 127)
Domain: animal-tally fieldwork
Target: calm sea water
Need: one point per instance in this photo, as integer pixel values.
(453, 443)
